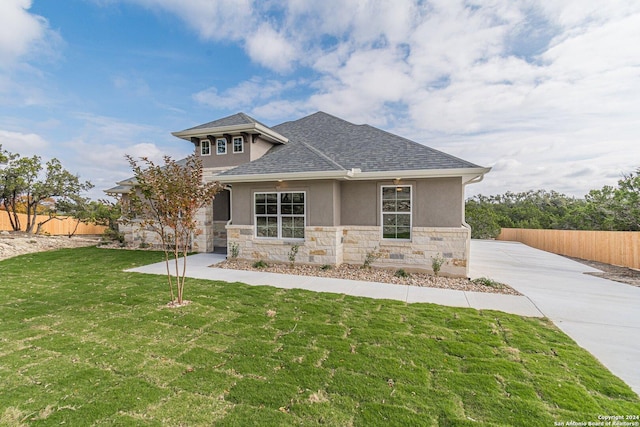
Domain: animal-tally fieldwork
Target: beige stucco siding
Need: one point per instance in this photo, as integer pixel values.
(359, 203)
(321, 209)
(437, 202)
(259, 148)
(251, 151)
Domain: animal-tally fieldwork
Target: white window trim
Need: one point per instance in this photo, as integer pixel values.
(382, 213)
(241, 138)
(279, 216)
(202, 153)
(225, 146)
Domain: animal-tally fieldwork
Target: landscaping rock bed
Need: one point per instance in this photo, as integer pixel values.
(612, 272)
(356, 272)
(19, 243)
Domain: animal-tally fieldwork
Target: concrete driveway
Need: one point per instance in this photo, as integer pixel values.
(602, 316)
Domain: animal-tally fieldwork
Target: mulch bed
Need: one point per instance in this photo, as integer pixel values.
(356, 272)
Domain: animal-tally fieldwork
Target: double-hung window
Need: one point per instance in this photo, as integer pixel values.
(221, 146)
(238, 144)
(205, 147)
(280, 215)
(396, 212)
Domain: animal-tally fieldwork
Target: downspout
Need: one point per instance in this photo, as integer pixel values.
(228, 187)
(464, 222)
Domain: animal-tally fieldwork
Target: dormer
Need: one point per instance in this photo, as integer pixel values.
(231, 141)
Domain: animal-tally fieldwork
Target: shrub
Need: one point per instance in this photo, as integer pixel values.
(293, 253)
(436, 263)
(234, 250)
(111, 235)
(371, 257)
(401, 273)
(260, 264)
(326, 267)
(485, 281)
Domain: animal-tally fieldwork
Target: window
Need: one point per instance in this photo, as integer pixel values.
(205, 147)
(221, 146)
(396, 212)
(280, 215)
(238, 144)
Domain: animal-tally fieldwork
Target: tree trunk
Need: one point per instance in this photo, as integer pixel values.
(14, 220)
(74, 228)
(31, 218)
(40, 224)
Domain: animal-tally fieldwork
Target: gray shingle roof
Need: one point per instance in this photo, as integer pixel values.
(290, 158)
(235, 119)
(322, 142)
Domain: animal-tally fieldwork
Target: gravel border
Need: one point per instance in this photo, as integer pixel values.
(356, 272)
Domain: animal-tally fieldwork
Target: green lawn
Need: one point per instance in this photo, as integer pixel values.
(83, 343)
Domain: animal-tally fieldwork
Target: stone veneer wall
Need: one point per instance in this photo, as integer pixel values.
(202, 242)
(426, 242)
(350, 244)
(134, 236)
(319, 246)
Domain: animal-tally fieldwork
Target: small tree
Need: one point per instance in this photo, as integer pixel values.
(166, 199)
(23, 187)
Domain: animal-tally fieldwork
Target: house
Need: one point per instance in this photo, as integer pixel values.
(338, 190)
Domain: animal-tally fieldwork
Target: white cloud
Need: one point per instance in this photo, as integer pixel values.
(22, 33)
(271, 49)
(245, 94)
(25, 144)
(213, 20)
(544, 90)
(97, 151)
(19, 30)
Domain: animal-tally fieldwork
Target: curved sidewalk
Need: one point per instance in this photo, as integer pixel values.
(198, 267)
(602, 316)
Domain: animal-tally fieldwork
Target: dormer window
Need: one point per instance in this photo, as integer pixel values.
(238, 144)
(221, 146)
(205, 147)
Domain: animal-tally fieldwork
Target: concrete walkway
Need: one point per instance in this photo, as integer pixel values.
(198, 267)
(602, 316)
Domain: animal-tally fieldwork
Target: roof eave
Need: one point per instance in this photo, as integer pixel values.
(264, 131)
(467, 174)
(288, 176)
(117, 190)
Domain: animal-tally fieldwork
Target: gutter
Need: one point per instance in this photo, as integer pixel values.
(469, 175)
(287, 176)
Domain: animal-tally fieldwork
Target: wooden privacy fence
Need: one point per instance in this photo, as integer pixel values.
(60, 226)
(611, 247)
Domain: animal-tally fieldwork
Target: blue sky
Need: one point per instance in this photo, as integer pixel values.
(544, 92)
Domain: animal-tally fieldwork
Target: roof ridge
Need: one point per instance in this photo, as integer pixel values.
(321, 154)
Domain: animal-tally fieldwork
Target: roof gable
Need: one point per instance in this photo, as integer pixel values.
(233, 120)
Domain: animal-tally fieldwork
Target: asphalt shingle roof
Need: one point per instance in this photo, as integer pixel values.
(322, 142)
(235, 119)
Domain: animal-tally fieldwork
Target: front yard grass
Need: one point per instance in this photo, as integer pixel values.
(84, 343)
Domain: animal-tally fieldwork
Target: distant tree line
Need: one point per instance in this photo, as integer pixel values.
(609, 208)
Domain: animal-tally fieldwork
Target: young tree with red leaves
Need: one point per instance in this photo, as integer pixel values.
(165, 200)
